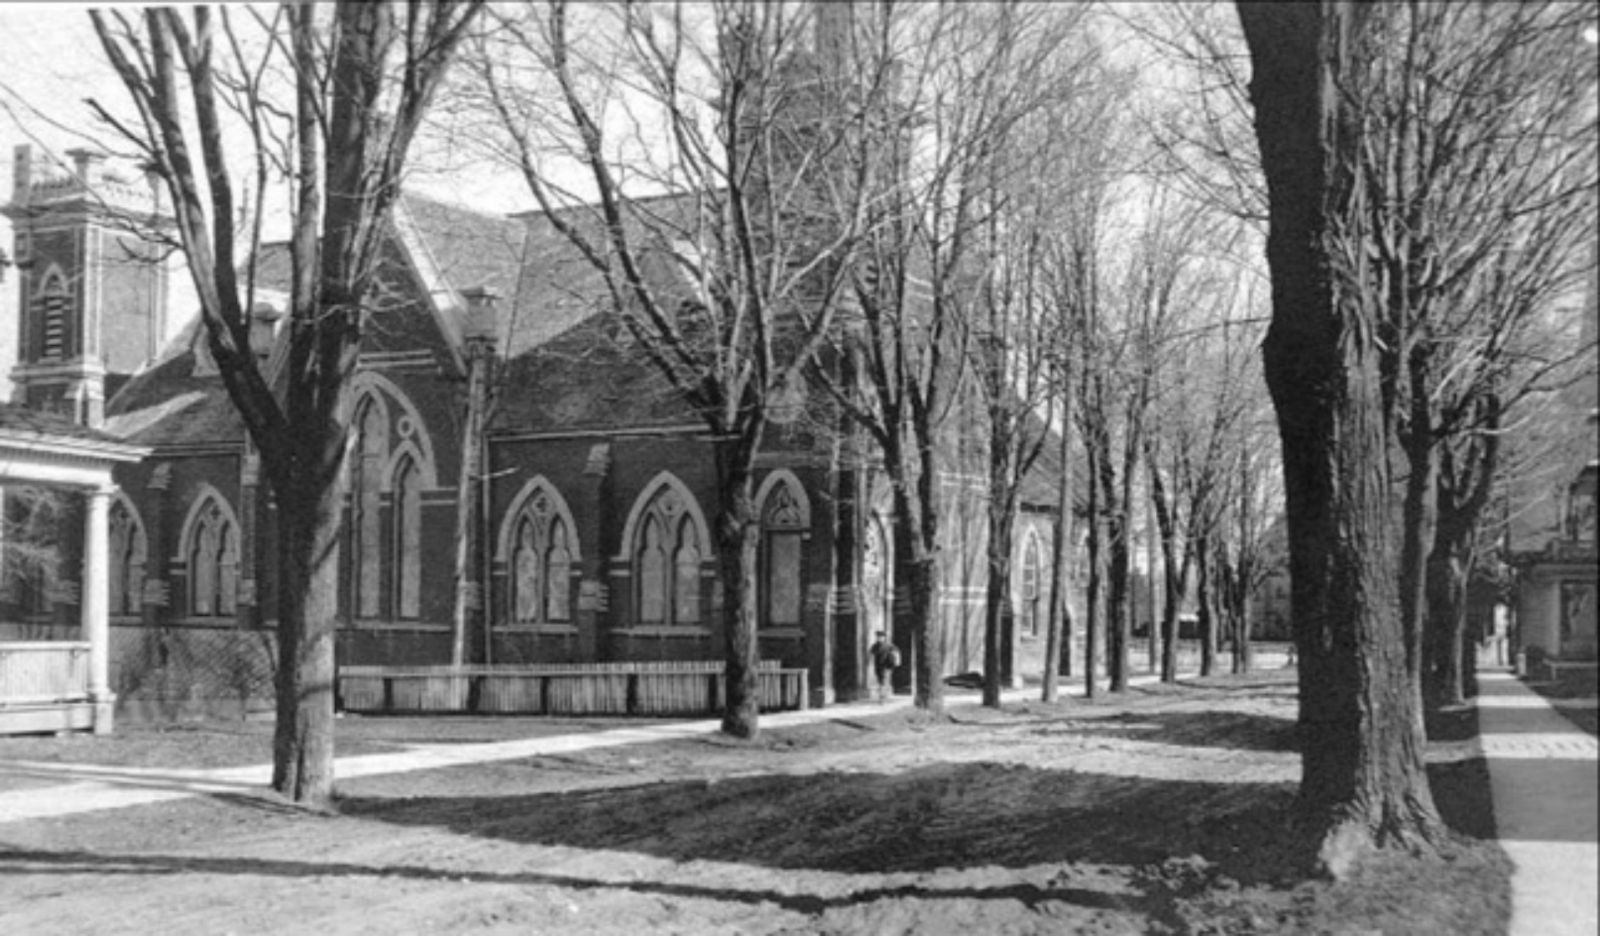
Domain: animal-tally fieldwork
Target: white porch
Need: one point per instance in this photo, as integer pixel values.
(63, 685)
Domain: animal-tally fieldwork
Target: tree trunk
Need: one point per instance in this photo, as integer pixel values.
(1119, 609)
(997, 595)
(1363, 781)
(1092, 610)
(918, 564)
(1174, 579)
(1206, 601)
(308, 590)
(1241, 638)
(1058, 641)
(1153, 644)
(1466, 483)
(1445, 632)
(738, 536)
(928, 650)
(1175, 572)
(1421, 514)
(1118, 632)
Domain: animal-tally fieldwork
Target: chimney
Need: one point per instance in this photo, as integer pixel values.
(84, 163)
(482, 321)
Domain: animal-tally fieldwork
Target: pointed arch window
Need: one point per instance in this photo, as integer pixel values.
(408, 538)
(369, 456)
(541, 562)
(783, 529)
(213, 562)
(51, 305)
(666, 561)
(127, 549)
(558, 575)
(652, 572)
(1032, 568)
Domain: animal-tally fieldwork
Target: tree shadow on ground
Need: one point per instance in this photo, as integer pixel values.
(1237, 731)
(1159, 905)
(1166, 839)
(939, 816)
(1460, 788)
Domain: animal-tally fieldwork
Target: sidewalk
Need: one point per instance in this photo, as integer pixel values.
(88, 787)
(1542, 772)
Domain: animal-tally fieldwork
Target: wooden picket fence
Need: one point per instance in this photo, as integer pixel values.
(655, 688)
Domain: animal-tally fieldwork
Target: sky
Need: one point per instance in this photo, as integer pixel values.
(52, 62)
(44, 61)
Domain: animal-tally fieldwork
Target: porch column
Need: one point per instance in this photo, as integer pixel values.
(96, 603)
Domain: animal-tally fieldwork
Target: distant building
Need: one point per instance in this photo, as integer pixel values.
(1551, 532)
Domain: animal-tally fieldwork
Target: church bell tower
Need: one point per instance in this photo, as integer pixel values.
(92, 283)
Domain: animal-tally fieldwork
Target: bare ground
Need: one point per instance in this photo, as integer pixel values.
(1162, 811)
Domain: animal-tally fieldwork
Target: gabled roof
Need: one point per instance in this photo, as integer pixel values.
(23, 422)
(584, 379)
(567, 366)
(170, 404)
(564, 368)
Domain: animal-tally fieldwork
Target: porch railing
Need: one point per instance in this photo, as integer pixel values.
(43, 672)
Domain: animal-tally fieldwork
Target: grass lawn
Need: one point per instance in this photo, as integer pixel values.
(1165, 810)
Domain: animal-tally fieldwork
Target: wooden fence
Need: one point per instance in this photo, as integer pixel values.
(662, 688)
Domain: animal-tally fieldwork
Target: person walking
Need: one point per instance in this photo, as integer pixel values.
(885, 660)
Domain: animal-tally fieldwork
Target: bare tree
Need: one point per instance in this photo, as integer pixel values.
(919, 276)
(1077, 266)
(360, 75)
(1478, 180)
(1363, 780)
(732, 163)
(1251, 503)
(1197, 104)
(1386, 204)
(1198, 389)
(1128, 339)
(1010, 311)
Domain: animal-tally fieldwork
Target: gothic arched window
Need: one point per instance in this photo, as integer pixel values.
(783, 529)
(408, 538)
(558, 575)
(213, 561)
(541, 562)
(1031, 570)
(127, 548)
(369, 457)
(666, 559)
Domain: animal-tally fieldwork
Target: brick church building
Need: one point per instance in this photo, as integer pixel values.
(523, 486)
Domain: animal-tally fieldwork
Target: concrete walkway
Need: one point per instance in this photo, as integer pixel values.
(1542, 772)
(88, 787)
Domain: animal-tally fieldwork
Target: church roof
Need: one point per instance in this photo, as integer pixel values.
(174, 403)
(21, 421)
(564, 368)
